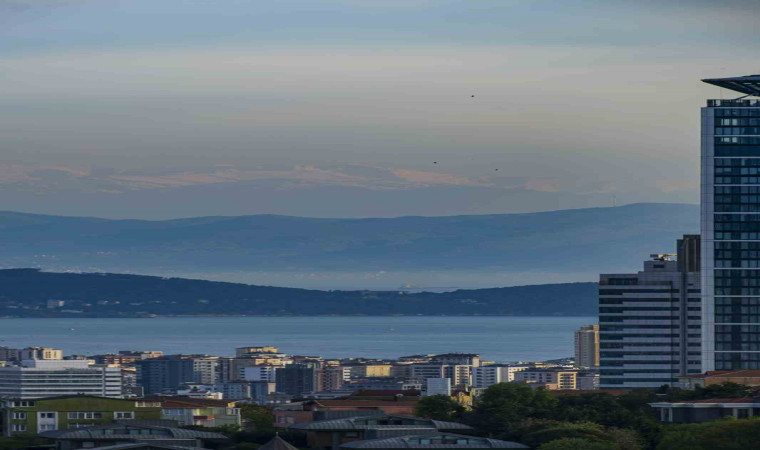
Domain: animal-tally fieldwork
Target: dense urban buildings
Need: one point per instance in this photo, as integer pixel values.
(650, 321)
(731, 227)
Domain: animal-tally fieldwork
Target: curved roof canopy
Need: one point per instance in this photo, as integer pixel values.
(749, 84)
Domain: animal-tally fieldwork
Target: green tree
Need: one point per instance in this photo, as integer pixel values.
(257, 418)
(576, 444)
(439, 407)
(502, 406)
(720, 434)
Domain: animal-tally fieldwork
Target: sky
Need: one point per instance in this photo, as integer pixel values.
(347, 108)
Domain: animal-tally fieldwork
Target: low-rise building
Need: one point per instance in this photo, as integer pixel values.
(334, 433)
(749, 377)
(707, 410)
(199, 412)
(433, 441)
(133, 434)
(19, 416)
(308, 411)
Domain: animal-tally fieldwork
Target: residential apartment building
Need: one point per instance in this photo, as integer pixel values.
(731, 227)
(206, 370)
(457, 359)
(158, 375)
(49, 378)
(650, 321)
(19, 416)
(258, 391)
(298, 380)
(485, 376)
(460, 375)
(334, 378)
(13, 354)
(259, 373)
(438, 386)
(552, 379)
(245, 352)
(587, 346)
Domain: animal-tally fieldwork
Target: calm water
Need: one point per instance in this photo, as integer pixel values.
(495, 338)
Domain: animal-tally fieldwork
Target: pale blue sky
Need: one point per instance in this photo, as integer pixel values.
(107, 103)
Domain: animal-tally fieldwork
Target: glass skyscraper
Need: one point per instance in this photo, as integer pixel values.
(730, 198)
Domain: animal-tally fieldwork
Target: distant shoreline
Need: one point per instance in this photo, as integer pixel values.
(190, 316)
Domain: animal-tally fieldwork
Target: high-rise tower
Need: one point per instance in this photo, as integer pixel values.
(730, 198)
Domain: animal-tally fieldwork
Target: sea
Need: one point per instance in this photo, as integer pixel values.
(501, 339)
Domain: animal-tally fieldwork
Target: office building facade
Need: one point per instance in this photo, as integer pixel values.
(650, 321)
(730, 190)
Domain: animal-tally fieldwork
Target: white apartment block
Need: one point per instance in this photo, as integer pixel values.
(206, 370)
(485, 376)
(51, 378)
(259, 373)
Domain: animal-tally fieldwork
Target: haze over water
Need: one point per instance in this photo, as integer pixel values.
(495, 338)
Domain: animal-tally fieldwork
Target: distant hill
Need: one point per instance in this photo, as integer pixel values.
(588, 240)
(25, 292)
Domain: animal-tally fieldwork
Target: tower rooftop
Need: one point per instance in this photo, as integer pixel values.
(749, 84)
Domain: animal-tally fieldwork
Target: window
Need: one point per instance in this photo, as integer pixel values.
(19, 415)
(23, 404)
(123, 415)
(18, 427)
(85, 415)
(48, 427)
(741, 413)
(47, 415)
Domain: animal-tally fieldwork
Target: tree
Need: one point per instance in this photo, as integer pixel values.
(576, 444)
(439, 407)
(720, 434)
(502, 406)
(257, 418)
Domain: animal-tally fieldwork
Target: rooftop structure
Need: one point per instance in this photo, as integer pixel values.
(433, 441)
(748, 84)
(333, 433)
(706, 410)
(126, 433)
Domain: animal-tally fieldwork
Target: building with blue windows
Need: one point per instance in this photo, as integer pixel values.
(730, 198)
(650, 321)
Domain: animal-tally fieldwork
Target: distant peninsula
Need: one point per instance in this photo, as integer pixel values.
(34, 293)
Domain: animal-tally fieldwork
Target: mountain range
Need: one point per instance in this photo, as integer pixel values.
(32, 293)
(533, 248)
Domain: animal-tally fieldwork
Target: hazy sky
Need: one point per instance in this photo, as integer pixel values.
(147, 108)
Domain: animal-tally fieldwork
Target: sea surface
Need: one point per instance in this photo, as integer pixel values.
(495, 338)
